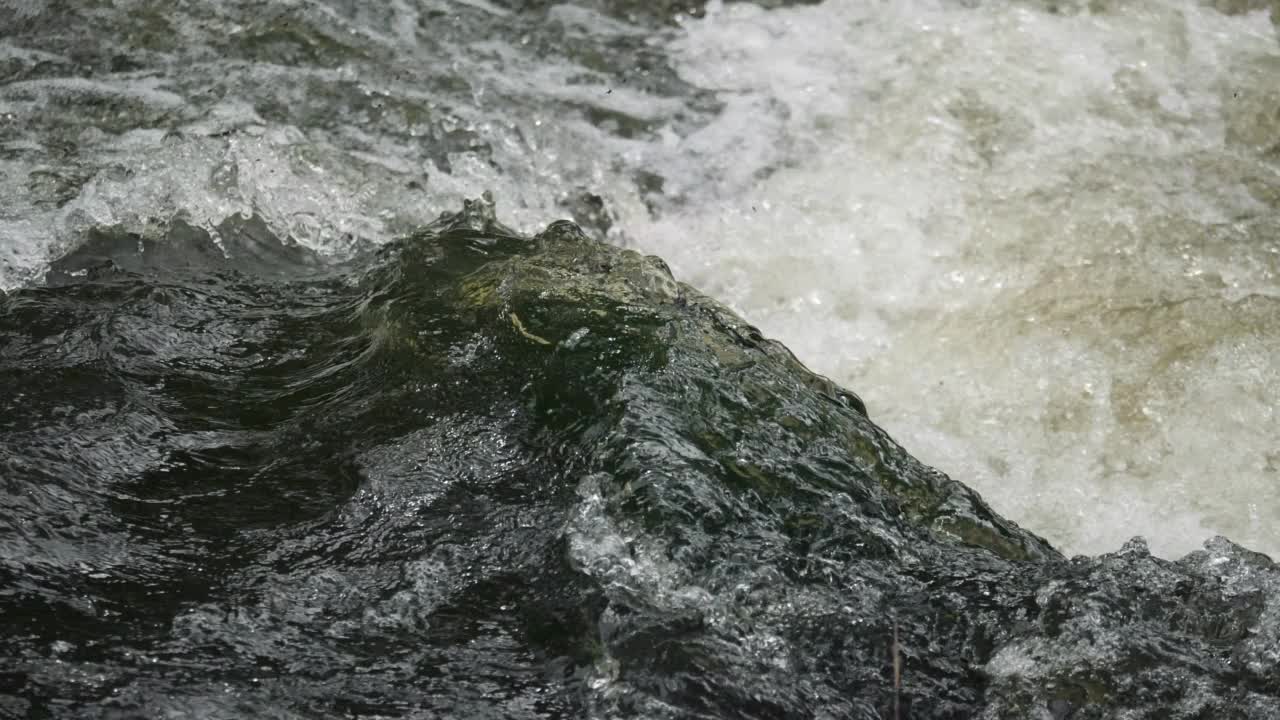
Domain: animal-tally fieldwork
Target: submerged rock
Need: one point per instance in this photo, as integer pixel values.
(482, 475)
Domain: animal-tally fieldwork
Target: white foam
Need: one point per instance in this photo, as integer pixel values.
(1024, 238)
(1043, 247)
(485, 6)
(9, 51)
(146, 90)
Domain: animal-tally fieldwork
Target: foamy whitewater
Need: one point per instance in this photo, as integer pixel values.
(1043, 246)
(1041, 240)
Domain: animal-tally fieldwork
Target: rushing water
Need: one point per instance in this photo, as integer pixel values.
(1044, 245)
(473, 474)
(1041, 238)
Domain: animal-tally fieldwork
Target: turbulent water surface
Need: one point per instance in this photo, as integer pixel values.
(1040, 239)
(473, 474)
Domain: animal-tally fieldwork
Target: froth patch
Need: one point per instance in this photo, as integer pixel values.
(1036, 243)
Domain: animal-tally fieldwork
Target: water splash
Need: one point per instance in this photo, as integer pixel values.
(1041, 242)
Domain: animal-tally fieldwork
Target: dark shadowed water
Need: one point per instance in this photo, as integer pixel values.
(471, 474)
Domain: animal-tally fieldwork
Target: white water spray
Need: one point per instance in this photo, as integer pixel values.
(1044, 247)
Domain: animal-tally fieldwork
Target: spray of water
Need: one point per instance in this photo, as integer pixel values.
(1043, 243)
(1041, 239)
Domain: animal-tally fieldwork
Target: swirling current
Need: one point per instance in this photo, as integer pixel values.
(470, 474)
(298, 420)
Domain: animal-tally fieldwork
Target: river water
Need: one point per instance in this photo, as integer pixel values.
(261, 454)
(1040, 239)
